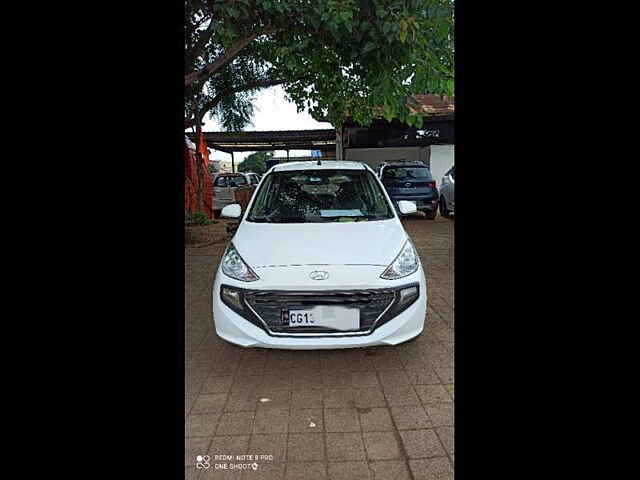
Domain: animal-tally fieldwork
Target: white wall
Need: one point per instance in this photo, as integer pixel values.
(442, 159)
(223, 166)
(374, 156)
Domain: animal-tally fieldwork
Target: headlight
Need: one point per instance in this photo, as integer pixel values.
(233, 266)
(406, 263)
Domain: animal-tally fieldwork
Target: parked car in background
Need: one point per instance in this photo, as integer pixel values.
(252, 178)
(320, 260)
(411, 181)
(231, 188)
(447, 197)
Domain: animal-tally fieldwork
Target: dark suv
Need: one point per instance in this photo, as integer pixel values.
(411, 181)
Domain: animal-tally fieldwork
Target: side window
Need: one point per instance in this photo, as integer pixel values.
(220, 182)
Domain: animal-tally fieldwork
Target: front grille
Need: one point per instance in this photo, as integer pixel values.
(268, 305)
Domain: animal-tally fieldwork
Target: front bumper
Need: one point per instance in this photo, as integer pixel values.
(422, 203)
(236, 329)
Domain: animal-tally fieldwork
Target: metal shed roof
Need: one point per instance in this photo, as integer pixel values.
(320, 139)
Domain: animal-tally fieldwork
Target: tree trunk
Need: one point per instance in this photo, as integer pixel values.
(200, 189)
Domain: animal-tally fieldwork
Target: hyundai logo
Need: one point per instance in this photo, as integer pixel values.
(319, 275)
(407, 185)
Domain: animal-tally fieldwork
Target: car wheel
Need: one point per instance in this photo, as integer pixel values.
(443, 207)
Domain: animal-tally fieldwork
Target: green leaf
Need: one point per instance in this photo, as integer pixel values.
(348, 62)
(369, 46)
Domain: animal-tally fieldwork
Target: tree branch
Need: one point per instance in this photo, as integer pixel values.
(219, 62)
(207, 107)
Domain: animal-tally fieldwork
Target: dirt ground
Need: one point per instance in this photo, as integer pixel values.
(374, 413)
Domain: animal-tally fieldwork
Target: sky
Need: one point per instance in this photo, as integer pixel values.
(271, 112)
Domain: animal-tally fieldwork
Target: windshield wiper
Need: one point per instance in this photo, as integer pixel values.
(260, 219)
(274, 219)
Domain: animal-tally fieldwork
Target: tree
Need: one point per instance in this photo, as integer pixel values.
(256, 163)
(332, 57)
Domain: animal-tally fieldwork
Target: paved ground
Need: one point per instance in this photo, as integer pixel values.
(375, 413)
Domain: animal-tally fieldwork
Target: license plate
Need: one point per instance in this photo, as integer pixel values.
(299, 318)
(337, 318)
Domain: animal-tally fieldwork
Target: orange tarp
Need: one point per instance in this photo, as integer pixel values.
(208, 184)
(191, 178)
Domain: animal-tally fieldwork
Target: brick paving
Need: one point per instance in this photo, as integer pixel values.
(375, 413)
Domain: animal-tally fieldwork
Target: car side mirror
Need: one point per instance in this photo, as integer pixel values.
(405, 207)
(232, 211)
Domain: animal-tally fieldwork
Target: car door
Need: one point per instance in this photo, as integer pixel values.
(452, 197)
(447, 189)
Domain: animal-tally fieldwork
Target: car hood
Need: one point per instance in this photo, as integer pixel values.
(339, 243)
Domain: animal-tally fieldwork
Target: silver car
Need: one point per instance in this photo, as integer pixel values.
(231, 188)
(252, 178)
(447, 197)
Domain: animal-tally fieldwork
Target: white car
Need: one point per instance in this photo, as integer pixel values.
(319, 260)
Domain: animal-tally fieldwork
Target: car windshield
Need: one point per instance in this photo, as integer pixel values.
(405, 173)
(237, 181)
(319, 196)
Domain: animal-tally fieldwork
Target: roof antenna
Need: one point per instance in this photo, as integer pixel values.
(319, 162)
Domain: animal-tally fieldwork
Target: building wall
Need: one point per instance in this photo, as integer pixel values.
(223, 166)
(374, 156)
(442, 159)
